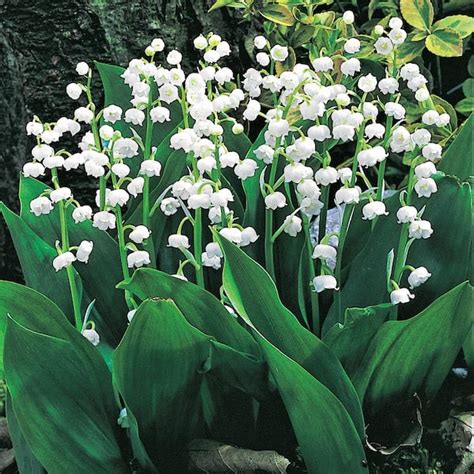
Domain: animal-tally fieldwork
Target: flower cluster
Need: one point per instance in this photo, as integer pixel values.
(308, 110)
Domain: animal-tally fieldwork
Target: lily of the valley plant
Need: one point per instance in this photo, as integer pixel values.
(274, 295)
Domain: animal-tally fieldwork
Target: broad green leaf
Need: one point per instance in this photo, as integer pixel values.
(365, 284)
(349, 341)
(417, 13)
(327, 437)
(24, 458)
(263, 310)
(445, 42)
(36, 260)
(461, 24)
(159, 368)
(99, 276)
(420, 351)
(68, 406)
(409, 49)
(465, 106)
(202, 309)
(457, 159)
(278, 14)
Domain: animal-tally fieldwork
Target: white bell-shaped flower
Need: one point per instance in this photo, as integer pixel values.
(63, 261)
(138, 258)
(420, 229)
(41, 205)
(425, 187)
(92, 336)
(135, 187)
(139, 234)
(347, 196)
(104, 220)
(373, 210)
(84, 250)
(178, 241)
(325, 252)
(169, 206)
(406, 214)
(33, 169)
(324, 282)
(418, 276)
(275, 200)
(402, 295)
(248, 236)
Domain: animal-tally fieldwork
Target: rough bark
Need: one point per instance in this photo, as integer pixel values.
(41, 41)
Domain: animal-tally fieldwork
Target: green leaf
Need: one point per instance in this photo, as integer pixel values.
(468, 87)
(365, 284)
(465, 106)
(445, 42)
(24, 458)
(278, 14)
(461, 24)
(201, 309)
(302, 35)
(159, 369)
(457, 159)
(264, 311)
(417, 13)
(420, 35)
(420, 351)
(67, 407)
(330, 443)
(349, 341)
(99, 276)
(470, 66)
(409, 49)
(36, 260)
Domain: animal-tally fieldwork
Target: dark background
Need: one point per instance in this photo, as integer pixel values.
(41, 41)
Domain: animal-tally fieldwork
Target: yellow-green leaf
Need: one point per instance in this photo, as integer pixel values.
(224, 3)
(462, 24)
(409, 50)
(446, 43)
(417, 13)
(465, 106)
(278, 14)
(420, 35)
